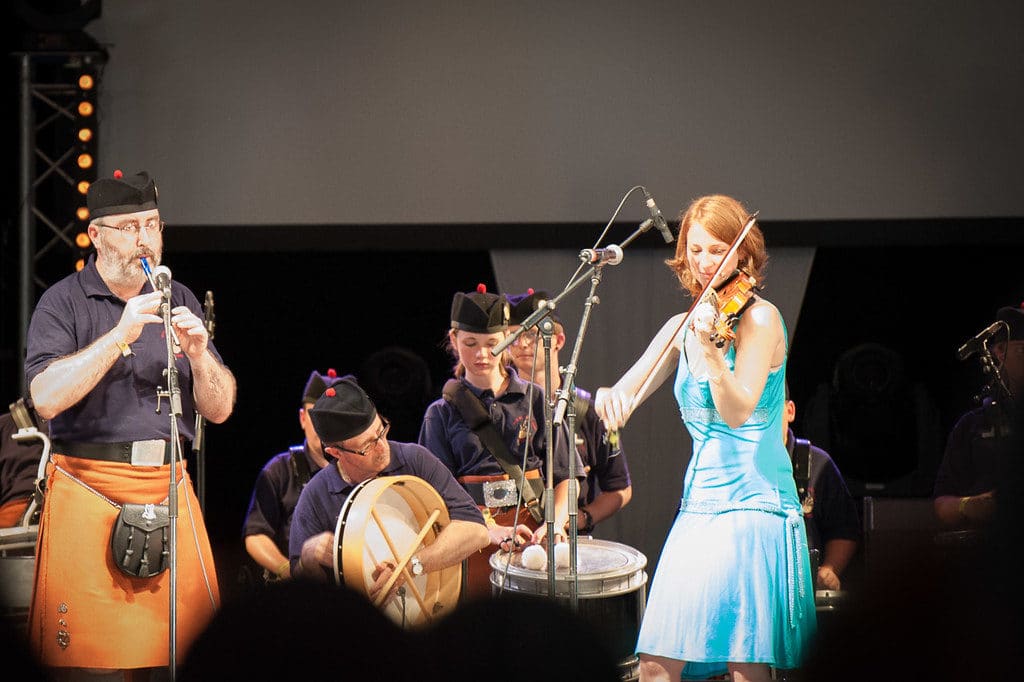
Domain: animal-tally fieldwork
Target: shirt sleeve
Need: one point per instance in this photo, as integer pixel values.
(611, 470)
(264, 515)
(307, 522)
(953, 476)
(434, 436)
(51, 334)
(835, 512)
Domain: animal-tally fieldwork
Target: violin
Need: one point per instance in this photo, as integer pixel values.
(730, 299)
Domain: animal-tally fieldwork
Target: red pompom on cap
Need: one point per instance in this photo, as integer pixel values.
(331, 373)
(481, 288)
(330, 393)
(118, 174)
(529, 292)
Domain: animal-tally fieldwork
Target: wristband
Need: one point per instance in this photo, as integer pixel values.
(282, 568)
(962, 508)
(125, 349)
(589, 525)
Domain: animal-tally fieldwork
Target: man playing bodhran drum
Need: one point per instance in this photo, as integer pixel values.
(354, 435)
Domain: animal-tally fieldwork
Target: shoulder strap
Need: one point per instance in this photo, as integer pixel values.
(580, 403)
(300, 466)
(801, 465)
(476, 417)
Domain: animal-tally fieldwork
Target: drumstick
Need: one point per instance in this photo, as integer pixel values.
(404, 560)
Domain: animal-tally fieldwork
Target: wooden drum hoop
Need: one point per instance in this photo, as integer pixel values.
(392, 518)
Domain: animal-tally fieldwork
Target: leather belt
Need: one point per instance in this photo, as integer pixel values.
(127, 452)
(477, 487)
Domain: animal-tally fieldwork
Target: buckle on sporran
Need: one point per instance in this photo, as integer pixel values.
(500, 493)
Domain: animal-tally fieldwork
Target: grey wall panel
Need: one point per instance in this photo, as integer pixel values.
(417, 112)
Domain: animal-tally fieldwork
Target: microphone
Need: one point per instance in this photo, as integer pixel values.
(208, 318)
(608, 256)
(973, 345)
(659, 220)
(162, 279)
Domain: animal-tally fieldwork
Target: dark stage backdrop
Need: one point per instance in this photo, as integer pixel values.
(281, 315)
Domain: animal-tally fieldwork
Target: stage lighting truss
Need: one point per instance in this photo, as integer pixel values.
(64, 136)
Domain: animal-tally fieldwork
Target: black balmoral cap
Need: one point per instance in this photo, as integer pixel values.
(343, 411)
(119, 194)
(1014, 319)
(479, 312)
(317, 384)
(521, 306)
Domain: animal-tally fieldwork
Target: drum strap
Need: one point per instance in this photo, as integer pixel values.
(801, 465)
(475, 415)
(300, 466)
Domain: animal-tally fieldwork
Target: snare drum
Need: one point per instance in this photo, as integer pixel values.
(17, 572)
(829, 600)
(390, 519)
(611, 592)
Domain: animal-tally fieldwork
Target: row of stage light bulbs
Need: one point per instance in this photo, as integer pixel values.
(85, 160)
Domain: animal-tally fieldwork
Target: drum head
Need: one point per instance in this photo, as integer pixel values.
(604, 568)
(382, 520)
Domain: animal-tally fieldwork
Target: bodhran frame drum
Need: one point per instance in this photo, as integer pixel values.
(611, 591)
(391, 518)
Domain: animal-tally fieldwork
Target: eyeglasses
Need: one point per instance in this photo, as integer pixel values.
(133, 227)
(384, 426)
(527, 337)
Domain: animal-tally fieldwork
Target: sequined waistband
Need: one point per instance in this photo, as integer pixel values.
(709, 415)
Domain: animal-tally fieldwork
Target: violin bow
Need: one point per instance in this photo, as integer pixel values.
(656, 368)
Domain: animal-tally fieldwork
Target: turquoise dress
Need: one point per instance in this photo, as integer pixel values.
(734, 579)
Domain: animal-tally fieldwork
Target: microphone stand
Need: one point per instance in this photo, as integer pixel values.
(199, 442)
(173, 395)
(547, 327)
(564, 406)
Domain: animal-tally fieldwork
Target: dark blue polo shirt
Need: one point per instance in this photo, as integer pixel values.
(72, 314)
(830, 512)
(605, 462)
(325, 494)
(447, 435)
(970, 464)
(275, 495)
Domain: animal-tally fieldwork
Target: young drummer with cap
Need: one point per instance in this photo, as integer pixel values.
(268, 521)
(607, 488)
(95, 366)
(510, 410)
(355, 436)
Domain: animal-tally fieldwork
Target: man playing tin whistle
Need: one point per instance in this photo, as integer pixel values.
(95, 366)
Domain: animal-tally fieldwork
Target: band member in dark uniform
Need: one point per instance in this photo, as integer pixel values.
(830, 513)
(269, 519)
(508, 413)
(607, 488)
(968, 478)
(354, 435)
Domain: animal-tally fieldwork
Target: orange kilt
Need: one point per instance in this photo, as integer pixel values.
(85, 612)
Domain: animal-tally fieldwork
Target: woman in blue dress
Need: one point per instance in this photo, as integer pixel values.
(733, 588)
